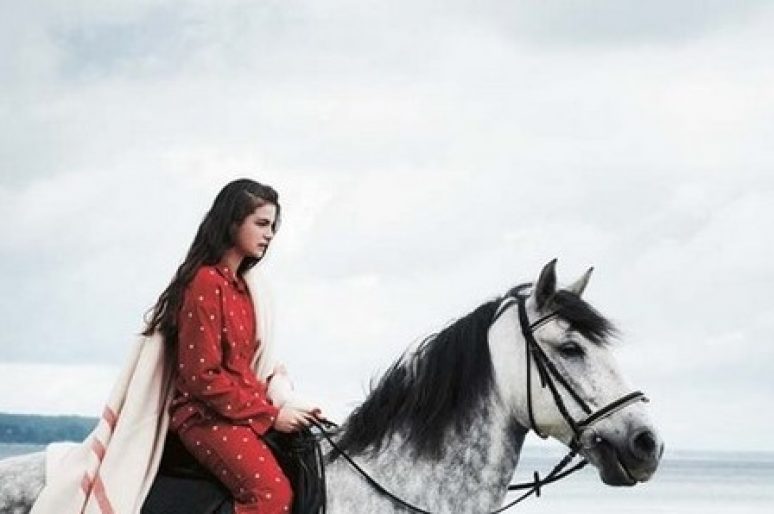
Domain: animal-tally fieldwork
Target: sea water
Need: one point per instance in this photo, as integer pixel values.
(686, 482)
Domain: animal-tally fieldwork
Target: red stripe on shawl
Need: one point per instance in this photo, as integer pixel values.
(86, 484)
(98, 448)
(101, 496)
(109, 416)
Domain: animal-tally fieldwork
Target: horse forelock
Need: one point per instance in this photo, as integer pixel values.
(581, 316)
(438, 387)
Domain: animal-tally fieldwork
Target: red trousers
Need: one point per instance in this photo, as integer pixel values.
(242, 462)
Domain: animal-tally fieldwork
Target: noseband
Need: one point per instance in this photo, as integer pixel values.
(550, 377)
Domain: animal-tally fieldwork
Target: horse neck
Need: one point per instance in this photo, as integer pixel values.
(471, 475)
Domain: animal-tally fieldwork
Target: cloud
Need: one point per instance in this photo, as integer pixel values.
(609, 23)
(428, 157)
(55, 389)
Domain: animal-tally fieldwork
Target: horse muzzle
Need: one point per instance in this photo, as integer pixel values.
(623, 461)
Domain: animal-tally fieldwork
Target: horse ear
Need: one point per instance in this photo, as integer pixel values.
(580, 285)
(546, 284)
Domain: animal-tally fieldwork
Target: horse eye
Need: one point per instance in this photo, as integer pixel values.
(571, 349)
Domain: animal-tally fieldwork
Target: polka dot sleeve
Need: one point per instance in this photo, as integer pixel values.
(200, 360)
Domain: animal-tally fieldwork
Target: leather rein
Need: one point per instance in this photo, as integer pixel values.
(549, 377)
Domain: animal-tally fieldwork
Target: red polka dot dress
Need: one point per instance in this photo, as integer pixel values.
(220, 409)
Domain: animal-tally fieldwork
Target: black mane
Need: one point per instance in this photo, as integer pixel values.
(442, 384)
(423, 394)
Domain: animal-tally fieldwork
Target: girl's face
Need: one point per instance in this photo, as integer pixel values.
(253, 236)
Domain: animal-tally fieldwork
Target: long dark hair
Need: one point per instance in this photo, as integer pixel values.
(236, 201)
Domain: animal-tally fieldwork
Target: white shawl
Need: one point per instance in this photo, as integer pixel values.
(112, 470)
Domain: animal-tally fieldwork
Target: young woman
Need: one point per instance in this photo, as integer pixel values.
(220, 408)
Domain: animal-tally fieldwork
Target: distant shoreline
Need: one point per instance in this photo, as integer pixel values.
(42, 429)
(37, 430)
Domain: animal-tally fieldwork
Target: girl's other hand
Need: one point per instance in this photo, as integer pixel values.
(292, 419)
(317, 413)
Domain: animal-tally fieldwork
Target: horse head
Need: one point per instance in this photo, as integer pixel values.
(560, 379)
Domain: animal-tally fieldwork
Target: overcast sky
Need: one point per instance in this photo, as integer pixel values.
(428, 155)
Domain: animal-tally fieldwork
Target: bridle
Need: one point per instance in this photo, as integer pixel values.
(549, 377)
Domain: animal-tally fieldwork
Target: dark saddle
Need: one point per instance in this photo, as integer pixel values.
(183, 486)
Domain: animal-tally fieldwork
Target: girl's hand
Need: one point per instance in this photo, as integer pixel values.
(316, 412)
(292, 419)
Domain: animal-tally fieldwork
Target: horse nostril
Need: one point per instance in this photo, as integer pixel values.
(644, 444)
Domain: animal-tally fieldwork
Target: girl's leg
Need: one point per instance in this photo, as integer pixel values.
(243, 463)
